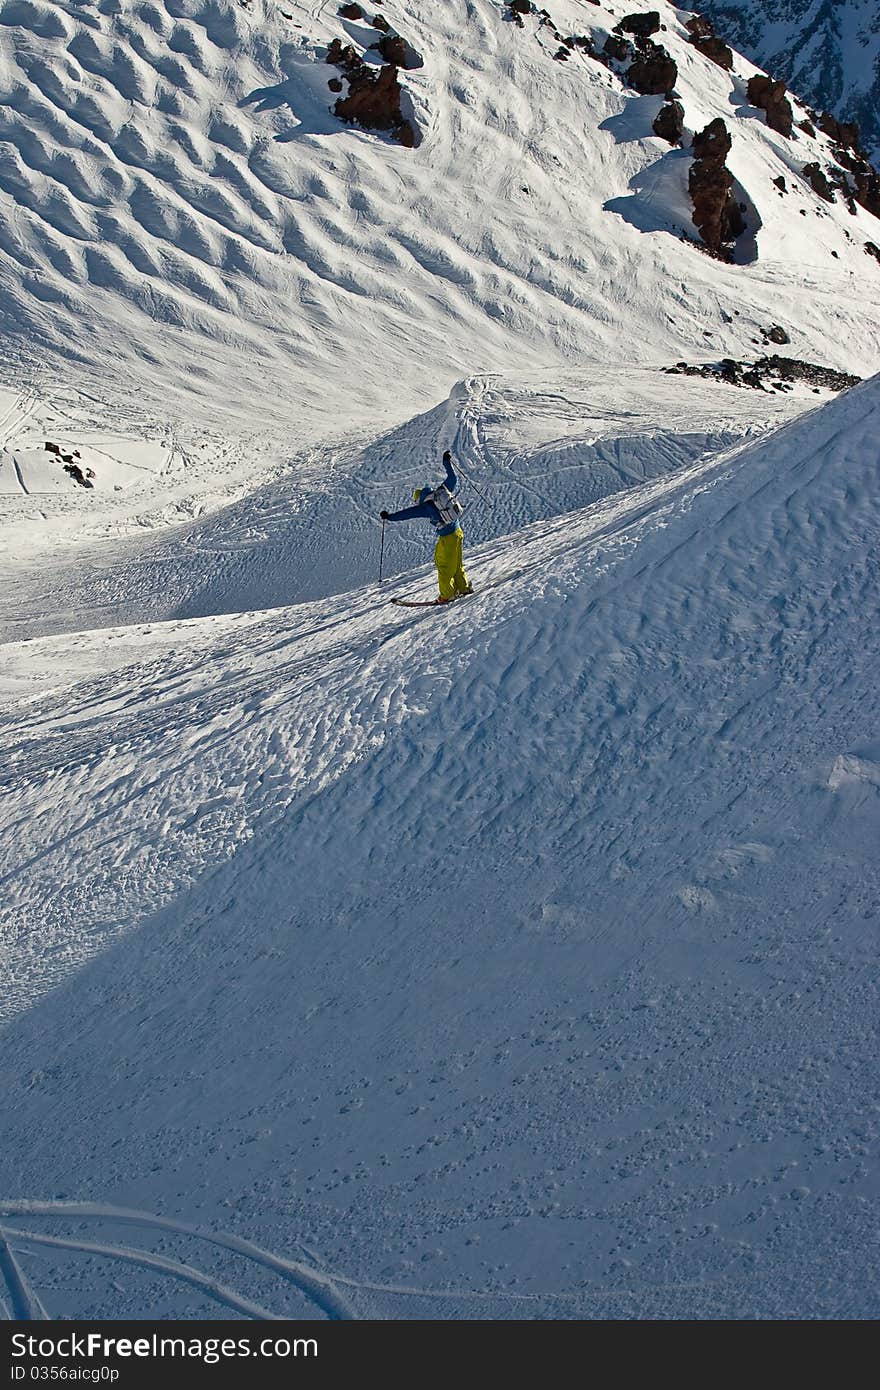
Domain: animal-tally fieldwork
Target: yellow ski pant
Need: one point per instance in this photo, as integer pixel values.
(450, 571)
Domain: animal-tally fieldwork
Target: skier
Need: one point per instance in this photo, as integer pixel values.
(440, 507)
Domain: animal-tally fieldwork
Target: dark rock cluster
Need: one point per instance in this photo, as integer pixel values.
(373, 97)
(852, 175)
(818, 181)
(856, 178)
(699, 27)
(776, 372)
(653, 71)
(707, 42)
(842, 133)
(775, 334)
(717, 215)
(770, 96)
(641, 26)
(69, 464)
(669, 122)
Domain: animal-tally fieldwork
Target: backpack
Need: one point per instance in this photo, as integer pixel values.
(449, 507)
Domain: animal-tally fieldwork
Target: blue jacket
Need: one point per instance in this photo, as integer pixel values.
(426, 511)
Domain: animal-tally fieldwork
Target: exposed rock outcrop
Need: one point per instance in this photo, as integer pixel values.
(843, 133)
(641, 25)
(770, 96)
(713, 142)
(775, 334)
(341, 55)
(699, 27)
(374, 103)
(616, 46)
(703, 37)
(873, 250)
(867, 189)
(373, 98)
(776, 372)
(818, 181)
(855, 178)
(654, 72)
(395, 50)
(716, 49)
(669, 122)
(717, 214)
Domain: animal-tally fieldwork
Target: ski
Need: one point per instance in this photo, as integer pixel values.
(425, 603)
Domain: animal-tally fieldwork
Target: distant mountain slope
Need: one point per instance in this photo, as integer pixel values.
(827, 50)
(183, 214)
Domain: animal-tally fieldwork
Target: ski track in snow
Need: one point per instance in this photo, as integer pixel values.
(322, 1288)
(530, 451)
(638, 972)
(23, 1302)
(312, 1283)
(518, 956)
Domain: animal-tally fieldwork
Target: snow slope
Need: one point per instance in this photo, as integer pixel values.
(512, 960)
(527, 447)
(185, 227)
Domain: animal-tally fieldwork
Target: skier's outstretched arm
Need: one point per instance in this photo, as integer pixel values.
(405, 514)
(451, 475)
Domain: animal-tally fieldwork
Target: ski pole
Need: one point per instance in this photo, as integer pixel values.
(472, 484)
(382, 552)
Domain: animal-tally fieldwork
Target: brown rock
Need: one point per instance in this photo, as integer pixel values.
(770, 96)
(873, 250)
(398, 52)
(351, 12)
(374, 103)
(617, 47)
(641, 25)
(699, 28)
(669, 122)
(867, 189)
(713, 143)
(716, 49)
(818, 181)
(843, 133)
(654, 72)
(343, 56)
(717, 215)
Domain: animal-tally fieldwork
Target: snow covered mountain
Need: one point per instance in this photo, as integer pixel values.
(828, 51)
(184, 216)
(189, 231)
(511, 960)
